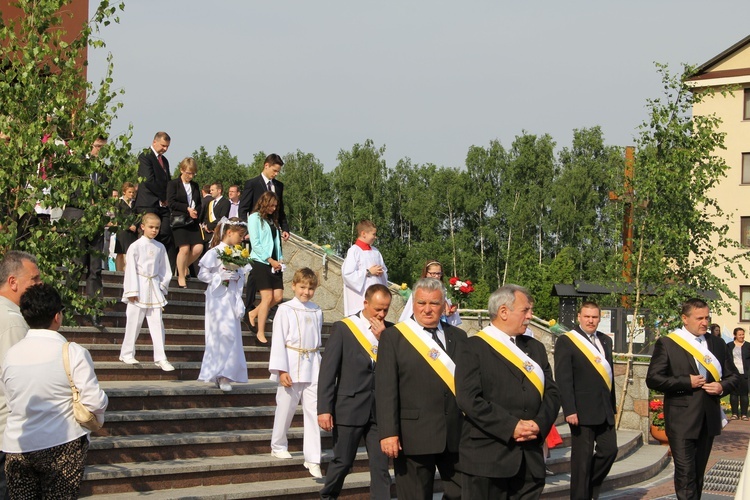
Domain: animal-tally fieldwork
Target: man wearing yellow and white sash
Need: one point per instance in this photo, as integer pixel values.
(583, 372)
(693, 371)
(505, 388)
(418, 419)
(346, 394)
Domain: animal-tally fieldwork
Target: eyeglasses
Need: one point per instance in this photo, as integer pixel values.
(438, 274)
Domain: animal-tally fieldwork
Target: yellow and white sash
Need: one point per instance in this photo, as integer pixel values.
(593, 355)
(501, 343)
(370, 347)
(423, 342)
(700, 352)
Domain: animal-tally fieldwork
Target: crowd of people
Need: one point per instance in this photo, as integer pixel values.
(478, 409)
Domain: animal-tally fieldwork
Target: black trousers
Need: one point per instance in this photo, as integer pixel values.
(593, 451)
(415, 475)
(346, 439)
(522, 486)
(739, 395)
(690, 458)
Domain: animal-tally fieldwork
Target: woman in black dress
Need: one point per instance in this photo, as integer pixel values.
(265, 240)
(184, 202)
(128, 232)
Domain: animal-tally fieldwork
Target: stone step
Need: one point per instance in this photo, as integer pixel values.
(559, 460)
(645, 462)
(191, 473)
(191, 353)
(147, 369)
(140, 422)
(356, 487)
(149, 447)
(185, 394)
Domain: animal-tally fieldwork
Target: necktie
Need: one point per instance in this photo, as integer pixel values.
(592, 338)
(435, 337)
(513, 339)
(211, 217)
(270, 186)
(701, 368)
(161, 162)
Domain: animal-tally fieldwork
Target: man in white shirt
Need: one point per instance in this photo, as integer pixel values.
(18, 271)
(234, 199)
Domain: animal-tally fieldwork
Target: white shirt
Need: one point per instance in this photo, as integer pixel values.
(39, 396)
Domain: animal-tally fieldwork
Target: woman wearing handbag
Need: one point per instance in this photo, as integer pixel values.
(184, 202)
(44, 444)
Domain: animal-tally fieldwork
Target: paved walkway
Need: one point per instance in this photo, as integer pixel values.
(732, 444)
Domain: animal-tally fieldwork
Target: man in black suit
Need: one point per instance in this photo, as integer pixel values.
(217, 208)
(418, 418)
(693, 371)
(346, 394)
(252, 191)
(583, 371)
(505, 388)
(153, 169)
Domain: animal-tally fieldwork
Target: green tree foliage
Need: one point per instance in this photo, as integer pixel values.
(51, 116)
(221, 167)
(309, 203)
(680, 233)
(358, 183)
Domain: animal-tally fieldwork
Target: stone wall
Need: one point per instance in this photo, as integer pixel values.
(299, 252)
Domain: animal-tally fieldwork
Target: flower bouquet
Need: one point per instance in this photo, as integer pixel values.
(233, 258)
(460, 289)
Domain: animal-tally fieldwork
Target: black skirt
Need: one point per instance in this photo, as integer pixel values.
(124, 239)
(189, 235)
(265, 279)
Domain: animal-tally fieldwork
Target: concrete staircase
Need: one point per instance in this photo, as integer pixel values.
(169, 436)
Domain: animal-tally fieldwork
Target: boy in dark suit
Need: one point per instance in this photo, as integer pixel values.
(346, 394)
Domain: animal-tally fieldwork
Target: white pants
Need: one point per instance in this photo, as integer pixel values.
(135, 315)
(287, 399)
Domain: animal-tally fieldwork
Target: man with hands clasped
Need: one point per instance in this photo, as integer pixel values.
(505, 388)
(693, 370)
(346, 394)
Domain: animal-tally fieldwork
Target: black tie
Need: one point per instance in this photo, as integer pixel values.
(592, 338)
(435, 337)
(513, 339)
(269, 186)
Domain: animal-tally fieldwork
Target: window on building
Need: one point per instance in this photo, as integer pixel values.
(745, 231)
(746, 168)
(746, 112)
(745, 303)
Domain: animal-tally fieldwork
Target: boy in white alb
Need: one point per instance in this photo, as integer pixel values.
(295, 363)
(362, 268)
(147, 276)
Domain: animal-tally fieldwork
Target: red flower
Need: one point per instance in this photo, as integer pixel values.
(660, 415)
(655, 405)
(453, 280)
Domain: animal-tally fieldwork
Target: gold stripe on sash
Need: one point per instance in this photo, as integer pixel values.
(424, 350)
(579, 343)
(503, 351)
(371, 350)
(696, 354)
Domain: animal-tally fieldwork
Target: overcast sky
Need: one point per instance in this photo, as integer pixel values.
(427, 79)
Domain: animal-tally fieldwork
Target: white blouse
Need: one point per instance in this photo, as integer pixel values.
(38, 392)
